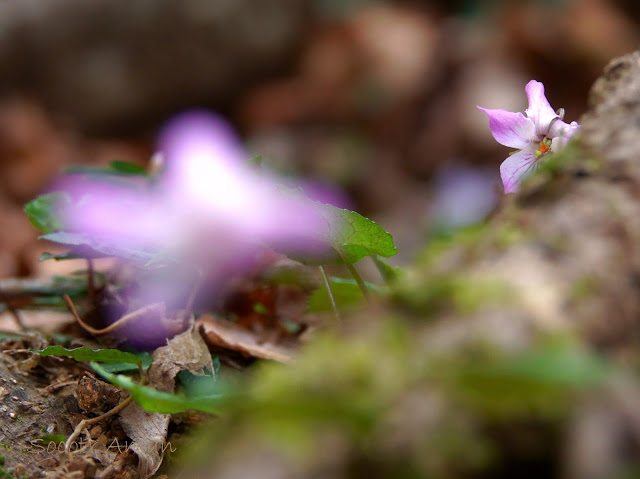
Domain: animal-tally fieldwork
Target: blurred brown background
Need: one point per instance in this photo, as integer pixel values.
(374, 99)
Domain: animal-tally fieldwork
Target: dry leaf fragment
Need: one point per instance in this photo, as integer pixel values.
(148, 431)
(186, 351)
(226, 334)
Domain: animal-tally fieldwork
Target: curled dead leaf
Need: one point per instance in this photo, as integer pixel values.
(148, 431)
(225, 334)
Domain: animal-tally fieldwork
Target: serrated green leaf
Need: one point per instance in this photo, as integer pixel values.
(120, 367)
(346, 293)
(152, 400)
(87, 354)
(44, 212)
(348, 237)
(356, 235)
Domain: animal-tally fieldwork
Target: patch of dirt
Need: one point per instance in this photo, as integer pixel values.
(42, 400)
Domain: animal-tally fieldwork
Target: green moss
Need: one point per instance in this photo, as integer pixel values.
(338, 386)
(542, 381)
(584, 287)
(470, 295)
(450, 291)
(446, 240)
(559, 243)
(8, 474)
(507, 234)
(558, 162)
(575, 157)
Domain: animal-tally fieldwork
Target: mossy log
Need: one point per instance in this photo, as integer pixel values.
(510, 350)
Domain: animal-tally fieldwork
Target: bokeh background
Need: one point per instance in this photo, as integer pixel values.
(372, 101)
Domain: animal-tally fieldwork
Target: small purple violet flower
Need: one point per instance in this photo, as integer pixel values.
(206, 208)
(535, 133)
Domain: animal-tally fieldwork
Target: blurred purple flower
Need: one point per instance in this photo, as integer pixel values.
(535, 133)
(207, 208)
(206, 194)
(463, 195)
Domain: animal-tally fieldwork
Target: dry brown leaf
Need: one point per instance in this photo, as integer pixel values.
(185, 351)
(226, 334)
(148, 431)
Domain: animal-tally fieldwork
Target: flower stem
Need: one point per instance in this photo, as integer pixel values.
(332, 300)
(91, 283)
(354, 272)
(382, 268)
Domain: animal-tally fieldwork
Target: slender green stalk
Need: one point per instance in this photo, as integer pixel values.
(91, 282)
(332, 300)
(384, 273)
(354, 272)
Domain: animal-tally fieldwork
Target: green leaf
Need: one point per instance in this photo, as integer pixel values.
(152, 400)
(550, 365)
(357, 236)
(44, 293)
(116, 167)
(505, 381)
(53, 439)
(348, 237)
(58, 256)
(86, 354)
(346, 293)
(256, 161)
(198, 386)
(122, 366)
(87, 246)
(56, 286)
(44, 212)
(126, 168)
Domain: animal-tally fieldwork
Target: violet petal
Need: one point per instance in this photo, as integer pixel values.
(562, 130)
(514, 168)
(539, 110)
(509, 128)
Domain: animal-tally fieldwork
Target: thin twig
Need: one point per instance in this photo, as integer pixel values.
(88, 422)
(54, 386)
(16, 351)
(154, 307)
(332, 300)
